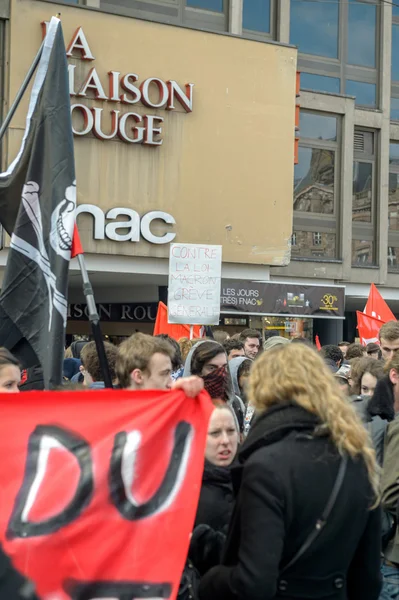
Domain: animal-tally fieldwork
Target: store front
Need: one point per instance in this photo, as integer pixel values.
(288, 310)
(170, 145)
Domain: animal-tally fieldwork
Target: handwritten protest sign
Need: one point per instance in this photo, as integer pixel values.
(194, 284)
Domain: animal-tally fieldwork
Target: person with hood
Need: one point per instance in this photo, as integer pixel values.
(208, 360)
(365, 376)
(306, 522)
(240, 368)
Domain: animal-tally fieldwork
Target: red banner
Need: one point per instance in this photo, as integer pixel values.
(377, 307)
(368, 328)
(174, 330)
(99, 489)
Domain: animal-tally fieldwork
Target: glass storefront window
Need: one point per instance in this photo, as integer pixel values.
(314, 27)
(362, 192)
(361, 33)
(320, 83)
(287, 327)
(318, 126)
(214, 5)
(314, 244)
(362, 252)
(256, 15)
(314, 181)
(365, 93)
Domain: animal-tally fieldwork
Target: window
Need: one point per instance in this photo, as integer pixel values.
(293, 239)
(362, 19)
(320, 83)
(395, 65)
(316, 205)
(215, 5)
(314, 27)
(257, 15)
(317, 238)
(393, 207)
(394, 109)
(209, 15)
(365, 93)
(337, 42)
(364, 213)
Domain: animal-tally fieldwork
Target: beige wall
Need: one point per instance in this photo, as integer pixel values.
(224, 172)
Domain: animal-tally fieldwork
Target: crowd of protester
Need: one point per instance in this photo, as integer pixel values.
(300, 489)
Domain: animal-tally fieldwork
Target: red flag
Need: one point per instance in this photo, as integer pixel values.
(377, 307)
(317, 342)
(101, 485)
(76, 243)
(368, 328)
(173, 330)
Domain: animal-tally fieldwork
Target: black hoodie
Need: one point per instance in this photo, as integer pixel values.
(382, 402)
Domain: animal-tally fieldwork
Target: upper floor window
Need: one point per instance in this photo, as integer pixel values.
(395, 65)
(393, 207)
(364, 208)
(258, 17)
(215, 5)
(338, 42)
(210, 15)
(316, 206)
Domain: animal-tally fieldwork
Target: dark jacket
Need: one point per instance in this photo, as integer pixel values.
(382, 401)
(216, 499)
(375, 425)
(12, 585)
(390, 485)
(284, 481)
(214, 511)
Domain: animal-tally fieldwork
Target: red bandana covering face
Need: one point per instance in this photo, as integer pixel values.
(216, 383)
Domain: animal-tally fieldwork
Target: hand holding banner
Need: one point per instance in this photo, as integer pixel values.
(100, 489)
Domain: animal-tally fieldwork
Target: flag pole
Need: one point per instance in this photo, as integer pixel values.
(20, 93)
(95, 322)
(87, 288)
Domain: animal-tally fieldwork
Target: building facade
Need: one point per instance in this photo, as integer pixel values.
(224, 172)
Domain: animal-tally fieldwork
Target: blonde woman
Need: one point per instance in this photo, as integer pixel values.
(305, 523)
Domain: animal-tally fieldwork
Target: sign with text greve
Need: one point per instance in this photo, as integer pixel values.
(100, 488)
(195, 272)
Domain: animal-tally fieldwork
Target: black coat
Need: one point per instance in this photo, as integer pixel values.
(216, 499)
(284, 481)
(213, 516)
(12, 585)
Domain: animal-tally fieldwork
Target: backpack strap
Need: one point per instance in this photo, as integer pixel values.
(322, 521)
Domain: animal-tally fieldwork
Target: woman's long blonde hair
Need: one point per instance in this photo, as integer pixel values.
(296, 373)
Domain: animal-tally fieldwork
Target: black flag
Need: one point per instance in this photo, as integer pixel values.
(37, 208)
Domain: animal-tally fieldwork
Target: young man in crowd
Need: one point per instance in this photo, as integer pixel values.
(234, 348)
(251, 340)
(389, 339)
(344, 347)
(91, 368)
(145, 363)
(333, 356)
(355, 351)
(373, 351)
